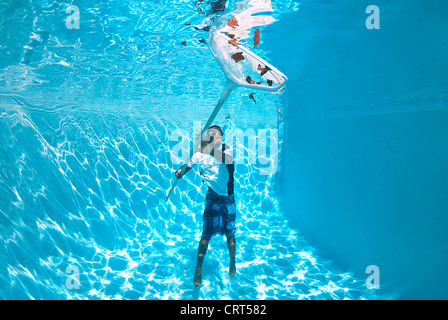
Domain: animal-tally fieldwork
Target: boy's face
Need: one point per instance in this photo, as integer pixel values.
(217, 138)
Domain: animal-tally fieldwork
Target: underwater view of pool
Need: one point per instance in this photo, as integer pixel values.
(99, 105)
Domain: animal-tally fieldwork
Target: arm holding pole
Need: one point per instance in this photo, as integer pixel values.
(230, 86)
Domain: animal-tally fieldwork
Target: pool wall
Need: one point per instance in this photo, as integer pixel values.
(364, 174)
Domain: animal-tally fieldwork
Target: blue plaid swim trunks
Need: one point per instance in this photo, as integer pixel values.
(219, 214)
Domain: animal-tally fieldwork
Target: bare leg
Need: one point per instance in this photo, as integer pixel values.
(202, 250)
(231, 244)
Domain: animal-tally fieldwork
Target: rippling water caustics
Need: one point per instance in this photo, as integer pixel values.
(83, 186)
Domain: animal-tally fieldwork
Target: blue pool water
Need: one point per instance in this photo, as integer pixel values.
(90, 122)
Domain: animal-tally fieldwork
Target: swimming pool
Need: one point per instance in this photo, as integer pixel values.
(93, 122)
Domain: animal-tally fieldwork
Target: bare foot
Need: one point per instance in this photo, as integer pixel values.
(232, 269)
(197, 277)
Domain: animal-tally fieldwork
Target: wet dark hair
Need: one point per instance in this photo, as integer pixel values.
(217, 128)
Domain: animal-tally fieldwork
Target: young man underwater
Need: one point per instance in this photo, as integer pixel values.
(216, 169)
